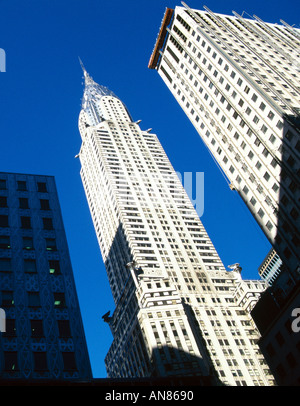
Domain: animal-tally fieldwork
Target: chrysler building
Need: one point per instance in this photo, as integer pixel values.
(178, 311)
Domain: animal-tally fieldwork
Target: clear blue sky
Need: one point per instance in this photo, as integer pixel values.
(40, 96)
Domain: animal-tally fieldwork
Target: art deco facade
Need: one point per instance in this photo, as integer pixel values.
(178, 311)
(237, 80)
(43, 337)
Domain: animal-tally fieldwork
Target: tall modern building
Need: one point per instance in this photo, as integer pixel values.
(237, 80)
(178, 311)
(270, 268)
(43, 336)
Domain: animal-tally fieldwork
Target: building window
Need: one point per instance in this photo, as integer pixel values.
(37, 329)
(42, 187)
(294, 213)
(258, 165)
(291, 360)
(2, 184)
(5, 265)
(54, 267)
(40, 361)
(59, 299)
(64, 328)
(254, 97)
(11, 361)
(4, 241)
(265, 152)
(279, 338)
(245, 190)
(287, 253)
(262, 106)
(3, 201)
(44, 204)
(3, 220)
(10, 328)
(69, 361)
(30, 266)
(7, 298)
(293, 186)
(51, 244)
(47, 223)
(34, 299)
(27, 243)
(21, 185)
(25, 222)
(23, 203)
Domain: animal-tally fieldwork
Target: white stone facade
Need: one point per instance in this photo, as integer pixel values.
(176, 312)
(237, 80)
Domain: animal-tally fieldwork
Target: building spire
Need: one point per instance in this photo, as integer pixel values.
(82, 66)
(93, 92)
(87, 78)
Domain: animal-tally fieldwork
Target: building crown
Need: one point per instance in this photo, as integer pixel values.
(92, 89)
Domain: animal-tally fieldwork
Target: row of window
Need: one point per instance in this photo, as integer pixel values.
(266, 176)
(25, 222)
(262, 64)
(33, 299)
(22, 186)
(37, 328)
(262, 105)
(24, 203)
(28, 243)
(11, 362)
(29, 266)
(281, 344)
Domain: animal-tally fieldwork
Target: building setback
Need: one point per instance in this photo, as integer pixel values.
(178, 311)
(237, 80)
(44, 337)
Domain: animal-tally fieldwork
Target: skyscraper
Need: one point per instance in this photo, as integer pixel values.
(43, 336)
(237, 80)
(178, 311)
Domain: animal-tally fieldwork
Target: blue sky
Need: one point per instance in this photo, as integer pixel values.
(40, 96)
